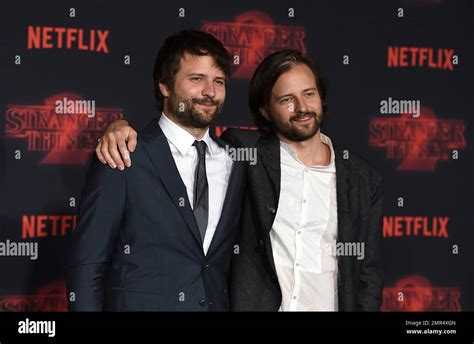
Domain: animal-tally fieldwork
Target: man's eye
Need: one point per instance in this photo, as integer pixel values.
(310, 94)
(196, 78)
(220, 82)
(285, 100)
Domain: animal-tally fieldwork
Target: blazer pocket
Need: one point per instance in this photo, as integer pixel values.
(135, 300)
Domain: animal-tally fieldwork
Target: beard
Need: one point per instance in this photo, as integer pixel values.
(188, 115)
(295, 131)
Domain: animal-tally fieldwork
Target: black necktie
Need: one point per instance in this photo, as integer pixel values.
(201, 190)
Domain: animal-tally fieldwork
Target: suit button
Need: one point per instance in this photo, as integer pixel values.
(260, 246)
(206, 266)
(271, 210)
(203, 302)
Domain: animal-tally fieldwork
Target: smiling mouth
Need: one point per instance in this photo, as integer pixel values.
(208, 103)
(303, 119)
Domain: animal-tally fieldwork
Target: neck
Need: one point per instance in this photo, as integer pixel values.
(198, 133)
(310, 152)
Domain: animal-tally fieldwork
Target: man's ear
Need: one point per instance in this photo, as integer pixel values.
(164, 90)
(264, 112)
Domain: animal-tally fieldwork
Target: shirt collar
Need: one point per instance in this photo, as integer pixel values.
(325, 139)
(182, 139)
(332, 162)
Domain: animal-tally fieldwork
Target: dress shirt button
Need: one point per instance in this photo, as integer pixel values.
(297, 264)
(304, 201)
(294, 297)
(299, 232)
(202, 302)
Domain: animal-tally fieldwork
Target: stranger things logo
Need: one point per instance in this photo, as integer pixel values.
(416, 294)
(49, 298)
(66, 138)
(253, 36)
(418, 143)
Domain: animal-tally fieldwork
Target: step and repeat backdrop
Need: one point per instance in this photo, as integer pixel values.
(400, 82)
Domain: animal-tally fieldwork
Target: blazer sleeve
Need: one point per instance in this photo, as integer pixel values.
(99, 220)
(371, 278)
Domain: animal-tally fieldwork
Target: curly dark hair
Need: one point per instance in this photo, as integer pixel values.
(267, 74)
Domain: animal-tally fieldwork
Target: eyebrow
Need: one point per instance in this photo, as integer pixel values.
(204, 75)
(196, 74)
(305, 90)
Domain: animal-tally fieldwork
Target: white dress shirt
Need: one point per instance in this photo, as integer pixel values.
(304, 232)
(218, 168)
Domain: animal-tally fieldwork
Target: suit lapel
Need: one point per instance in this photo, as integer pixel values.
(344, 224)
(344, 190)
(266, 201)
(268, 150)
(157, 147)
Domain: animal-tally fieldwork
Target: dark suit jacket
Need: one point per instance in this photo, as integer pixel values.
(137, 245)
(254, 283)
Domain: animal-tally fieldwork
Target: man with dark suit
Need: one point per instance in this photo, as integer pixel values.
(311, 223)
(160, 236)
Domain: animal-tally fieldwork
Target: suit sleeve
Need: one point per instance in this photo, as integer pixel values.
(99, 220)
(371, 278)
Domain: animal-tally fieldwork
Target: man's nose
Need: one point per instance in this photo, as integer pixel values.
(300, 105)
(209, 89)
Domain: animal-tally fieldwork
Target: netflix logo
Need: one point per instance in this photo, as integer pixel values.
(400, 57)
(44, 37)
(404, 226)
(41, 226)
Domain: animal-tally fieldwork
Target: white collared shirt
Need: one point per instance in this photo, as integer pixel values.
(218, 168)
(303, 233)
